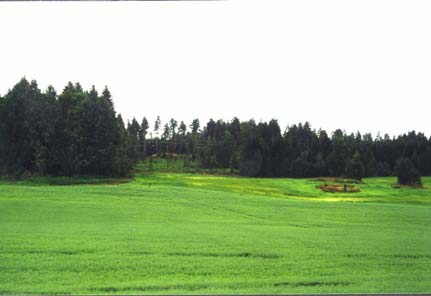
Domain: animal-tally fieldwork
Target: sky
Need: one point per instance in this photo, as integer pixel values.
(356, 65)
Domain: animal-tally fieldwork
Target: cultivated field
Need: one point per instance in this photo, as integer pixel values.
(190, 233)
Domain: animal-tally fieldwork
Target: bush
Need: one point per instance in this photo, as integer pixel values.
(335, 188)
(337, 180)
(407, 173)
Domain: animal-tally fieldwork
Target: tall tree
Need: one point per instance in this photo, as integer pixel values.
(133, 130)
(142, 137)
(166, 132)
(173, 127)
(195, 126)
(157, 126)
(182, 129)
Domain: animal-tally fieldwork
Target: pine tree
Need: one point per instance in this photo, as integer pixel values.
(133, 130)
(121, 162)
(195, 126)
(142, 137)
(106, 95)
(173, 127)
(166, 132)
(157, 125)
(182, 129)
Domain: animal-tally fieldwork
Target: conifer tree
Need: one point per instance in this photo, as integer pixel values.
(142, 137)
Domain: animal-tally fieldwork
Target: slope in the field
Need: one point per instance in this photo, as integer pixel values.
(371, 189)
(180, 233)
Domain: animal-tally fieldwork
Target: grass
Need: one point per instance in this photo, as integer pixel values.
(191, 233)
(372, 189)
(179, 164)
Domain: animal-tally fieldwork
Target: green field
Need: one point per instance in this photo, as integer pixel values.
(190, 233)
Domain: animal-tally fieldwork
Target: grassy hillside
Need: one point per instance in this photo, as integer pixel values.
(189, 233)
(373, 189)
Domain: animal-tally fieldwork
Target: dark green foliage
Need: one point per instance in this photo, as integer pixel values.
(337, 159)
(143, 131)
(78, 132)
(166, 131)
(3, 139)
(195, 126)
(157, 125)
(260, 149)
(383, 169)
(303, 168)
(173, 127)
(134, 130)
(75, 133)
(121, 161)
(407, 173)
(250, 163)
(182, 129)
(355, 169)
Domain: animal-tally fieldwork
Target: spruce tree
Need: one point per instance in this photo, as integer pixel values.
(182, 129)
(194, 127)
(143, 130)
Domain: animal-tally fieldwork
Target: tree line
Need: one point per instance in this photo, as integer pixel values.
(262, 149)
(79, 132)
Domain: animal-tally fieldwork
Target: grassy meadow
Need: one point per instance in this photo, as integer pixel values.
(200, 233)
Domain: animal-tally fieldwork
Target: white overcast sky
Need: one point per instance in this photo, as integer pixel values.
(358, 65)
